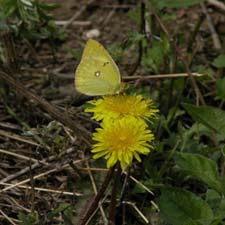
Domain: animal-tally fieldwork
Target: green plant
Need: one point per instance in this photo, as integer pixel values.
(30, 19)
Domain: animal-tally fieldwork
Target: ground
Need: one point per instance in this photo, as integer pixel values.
(49, 162)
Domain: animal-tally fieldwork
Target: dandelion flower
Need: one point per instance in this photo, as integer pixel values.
(119, 106)
(122, 140)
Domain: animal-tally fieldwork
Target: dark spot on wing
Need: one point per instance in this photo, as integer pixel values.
(105, 63)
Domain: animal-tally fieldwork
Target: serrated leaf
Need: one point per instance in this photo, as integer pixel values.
(181, 207)
(208, 115)
(219, 62)
(201, 168)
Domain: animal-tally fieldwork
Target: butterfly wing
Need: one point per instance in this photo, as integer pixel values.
(97, 73)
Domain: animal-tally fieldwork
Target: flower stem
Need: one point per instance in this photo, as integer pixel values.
(89, 208)
(112, 207)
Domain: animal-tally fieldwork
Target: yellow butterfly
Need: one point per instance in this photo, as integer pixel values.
(97, 73)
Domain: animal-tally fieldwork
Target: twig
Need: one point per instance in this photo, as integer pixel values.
(15, 220)
(131, 177)
(34, 166)
(153, 11)
(215, 37)
(17, 137)
(10, 125)
(108, 18)
(218, 4)
(9, 152)
(137, 210)
(27, 127)
(74, 23)
(159, 76)
(198, 93)
(27, 180)
(63, 117)
(112, 206)
(9, 219)
(96, 192)
(46, 190)
(77, 14)
(36, 177)
(15, 203)
(93, 204)
(95, 211)
(142, 185)
(6, 38)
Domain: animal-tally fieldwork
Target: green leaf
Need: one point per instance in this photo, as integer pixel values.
(155, 56)
(220, 88)
(216, 203)
(219, 62)
(181, 207)
(135, 14)
(76, 53)
(178, 3)
(116, 51)
(217, 222)
(208, 115)
(60, 209)
(28, 219)
(8, 7)
(47, 6)
(201, 168)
